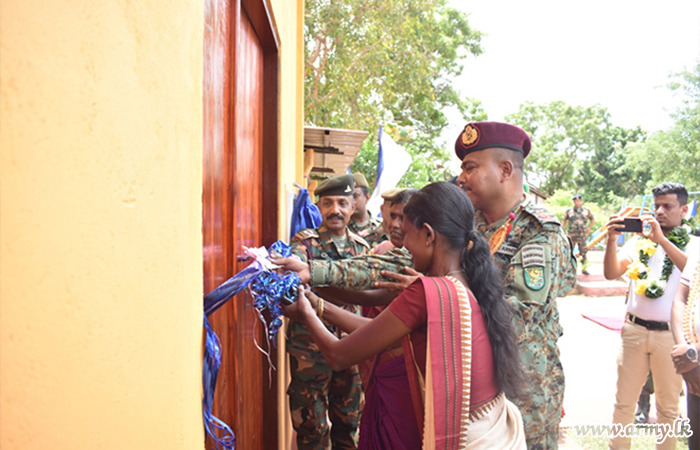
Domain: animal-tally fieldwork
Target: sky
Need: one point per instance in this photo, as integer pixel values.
(616, 53)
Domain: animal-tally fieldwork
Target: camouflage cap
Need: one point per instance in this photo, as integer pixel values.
(389, 194)
(340, 185)
(360, 180)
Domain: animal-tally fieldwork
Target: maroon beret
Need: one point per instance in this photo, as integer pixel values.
(481, 135)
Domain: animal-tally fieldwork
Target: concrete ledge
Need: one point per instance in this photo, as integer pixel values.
(602, 288)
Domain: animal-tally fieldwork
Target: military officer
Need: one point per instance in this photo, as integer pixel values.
(380, 234)
(534, 256)
(316, 391)
(362, 222)
(580, 221)
(360, 272)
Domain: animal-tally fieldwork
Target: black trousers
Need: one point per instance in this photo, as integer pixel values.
(694, 417)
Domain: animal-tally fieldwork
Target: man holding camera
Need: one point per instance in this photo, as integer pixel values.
(653, 260)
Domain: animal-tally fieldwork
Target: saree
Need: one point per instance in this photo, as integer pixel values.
(441, 397)
(388, 405)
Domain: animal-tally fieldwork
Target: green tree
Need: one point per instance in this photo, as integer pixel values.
(674, 154)
(605, 177)
(562, 136)
(392, 63)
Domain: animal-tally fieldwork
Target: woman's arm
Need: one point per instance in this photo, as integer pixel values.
(368, 340)
(335, 315)
(374, 297)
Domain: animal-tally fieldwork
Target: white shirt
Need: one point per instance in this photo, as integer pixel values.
(656, 309)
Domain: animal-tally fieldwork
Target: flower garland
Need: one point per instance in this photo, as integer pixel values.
(639, 270)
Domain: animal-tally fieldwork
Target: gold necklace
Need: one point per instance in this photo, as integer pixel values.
(454, 272)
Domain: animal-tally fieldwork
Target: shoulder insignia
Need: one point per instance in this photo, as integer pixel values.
(542, 215)
(307, 233)
(507, 250)
(533, 266)
(358, 238)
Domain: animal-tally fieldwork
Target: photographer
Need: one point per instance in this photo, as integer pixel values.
(653, 260)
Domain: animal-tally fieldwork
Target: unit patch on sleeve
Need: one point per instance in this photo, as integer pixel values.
(533, 266)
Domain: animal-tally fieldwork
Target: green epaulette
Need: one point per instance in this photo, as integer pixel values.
(542, 215)
(358, 238)
(307, 233)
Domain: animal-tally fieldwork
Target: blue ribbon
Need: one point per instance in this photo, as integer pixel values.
(212, 361)
(216, 298)
(268, 289)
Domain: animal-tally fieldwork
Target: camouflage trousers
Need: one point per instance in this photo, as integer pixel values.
(542, 410)
(581, 241)
(318, 395)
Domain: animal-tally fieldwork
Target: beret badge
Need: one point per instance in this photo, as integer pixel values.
(470, 135)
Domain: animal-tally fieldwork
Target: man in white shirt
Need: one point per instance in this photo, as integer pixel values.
(647, 339)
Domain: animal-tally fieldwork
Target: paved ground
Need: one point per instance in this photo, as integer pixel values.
(588, 354)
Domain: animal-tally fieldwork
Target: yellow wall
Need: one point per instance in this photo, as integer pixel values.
(100, 224)
(288, 18)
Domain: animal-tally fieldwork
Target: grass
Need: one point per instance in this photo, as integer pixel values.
(601, 443)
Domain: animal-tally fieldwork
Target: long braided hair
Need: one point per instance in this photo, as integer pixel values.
(448, 210)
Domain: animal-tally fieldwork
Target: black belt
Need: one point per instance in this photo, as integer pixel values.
(649, 324)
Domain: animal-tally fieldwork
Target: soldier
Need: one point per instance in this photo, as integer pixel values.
(362, 222)
(534, 256)
(315, 390)
(360, 272)
(580, 220)
(535, 259)
(380, 234)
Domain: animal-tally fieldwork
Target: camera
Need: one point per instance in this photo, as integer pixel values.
(631, 225)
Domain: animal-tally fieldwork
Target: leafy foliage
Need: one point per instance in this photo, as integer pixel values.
(391, 63)
(674, 154)
(576, 147)
(606, 177)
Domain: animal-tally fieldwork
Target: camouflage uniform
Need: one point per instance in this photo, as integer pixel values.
(531, 290)
(372, 232)
(358, 273)
(578, 220)
(362, 230)
(315, 389)
(537, 265)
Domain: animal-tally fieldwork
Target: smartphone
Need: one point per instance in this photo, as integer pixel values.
(631, 225)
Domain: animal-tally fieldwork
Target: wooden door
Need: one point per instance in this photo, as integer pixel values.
(240, 154)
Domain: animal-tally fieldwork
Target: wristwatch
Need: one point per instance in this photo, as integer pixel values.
(692, 354)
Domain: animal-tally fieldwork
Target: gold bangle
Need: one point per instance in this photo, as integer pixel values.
(320, 308)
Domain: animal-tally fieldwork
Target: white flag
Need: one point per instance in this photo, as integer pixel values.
(392, 163)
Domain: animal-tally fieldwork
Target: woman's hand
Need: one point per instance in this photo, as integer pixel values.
(301, 309)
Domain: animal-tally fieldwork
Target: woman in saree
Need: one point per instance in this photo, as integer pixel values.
(457, 338)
